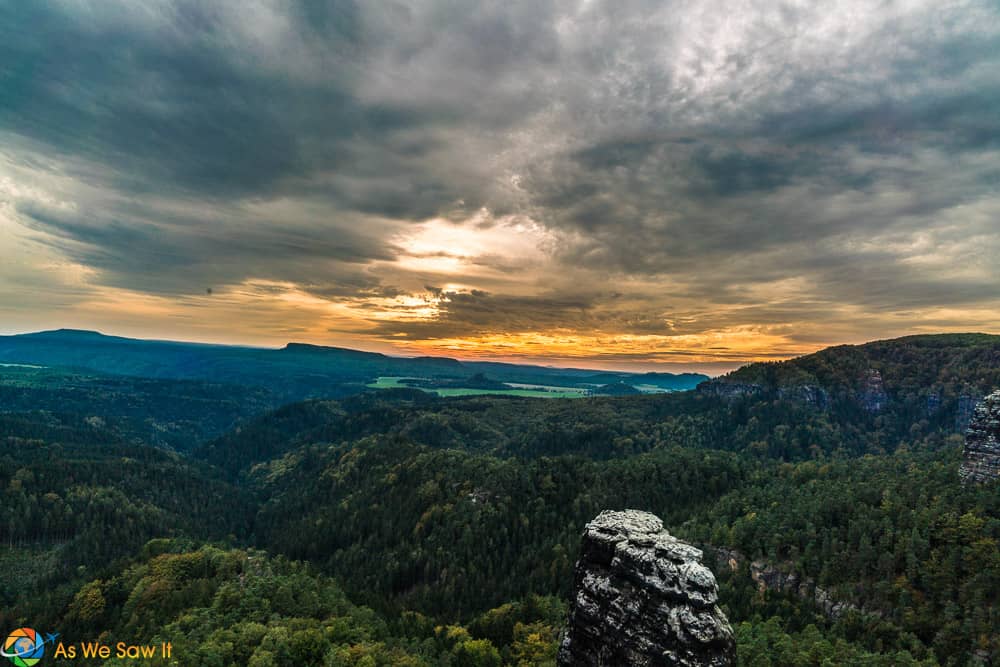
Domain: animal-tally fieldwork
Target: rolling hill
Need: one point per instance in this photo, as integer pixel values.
(294, 372)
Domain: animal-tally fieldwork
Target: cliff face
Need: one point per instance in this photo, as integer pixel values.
(806, 393)
(785, 579)
(981, 462)
(729, 390)
(965, 410)
(642, 598)
(873, 396)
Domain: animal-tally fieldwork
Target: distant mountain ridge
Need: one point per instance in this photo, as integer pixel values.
(294, 372)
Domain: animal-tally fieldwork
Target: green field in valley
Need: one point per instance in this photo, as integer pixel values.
(531, 391)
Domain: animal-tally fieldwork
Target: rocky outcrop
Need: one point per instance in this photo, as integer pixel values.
(873, 396)
(729, 390)
(964, 410)
(785, 579)
(981, 460)
(642, 598)
(808, 394)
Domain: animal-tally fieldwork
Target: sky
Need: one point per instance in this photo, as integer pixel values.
(625, 184)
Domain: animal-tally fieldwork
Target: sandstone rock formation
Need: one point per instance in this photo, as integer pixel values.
(873, 396)
(809, 394)
(785, 579)
(964, 410)
(728, 390)
(642, 598)
(981, 462)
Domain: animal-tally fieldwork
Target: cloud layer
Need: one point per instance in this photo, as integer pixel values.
(632, 182)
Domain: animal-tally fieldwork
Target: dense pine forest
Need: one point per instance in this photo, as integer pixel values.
(394, 527)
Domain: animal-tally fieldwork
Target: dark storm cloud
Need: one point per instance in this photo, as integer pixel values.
(170, 93)
(257, 99)
(169, 253)
(213, 106)
(721, 151)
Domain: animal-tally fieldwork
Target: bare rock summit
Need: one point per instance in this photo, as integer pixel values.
(642, 598)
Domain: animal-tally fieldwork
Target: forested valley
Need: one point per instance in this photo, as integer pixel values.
(393, 527)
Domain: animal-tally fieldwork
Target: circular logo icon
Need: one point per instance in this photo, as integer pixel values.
(24, 647)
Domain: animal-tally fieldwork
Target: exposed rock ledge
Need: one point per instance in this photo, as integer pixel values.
(981, 460)
(784, 579)
(642, 598)
(729, 390)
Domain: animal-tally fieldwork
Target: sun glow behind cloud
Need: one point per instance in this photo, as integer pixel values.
(478, 248)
